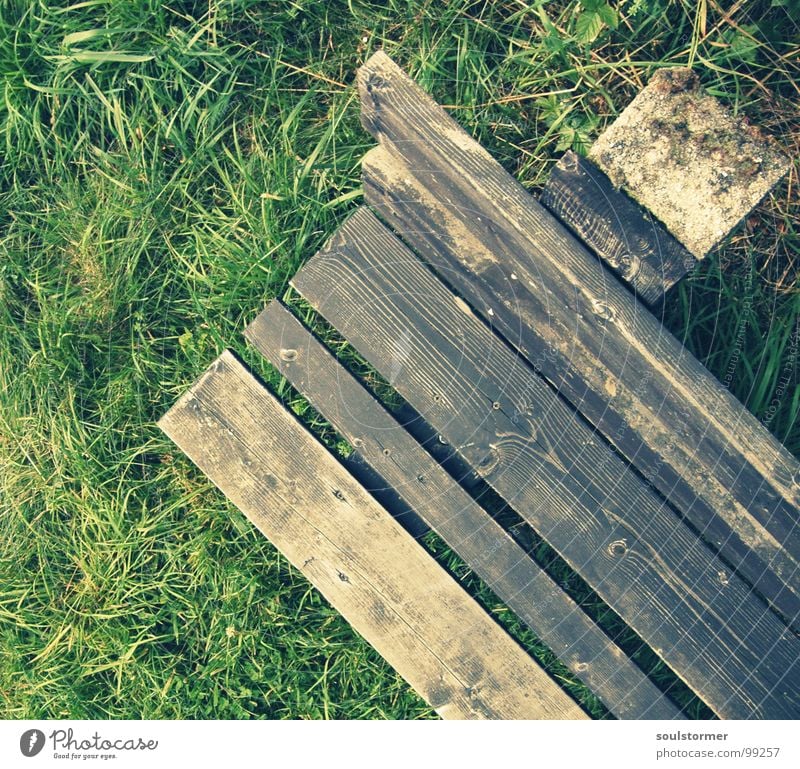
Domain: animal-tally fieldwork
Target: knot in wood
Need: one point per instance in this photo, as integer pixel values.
(618, 548)
(288, 354)
(601, 310)
(629, 265)
(375, 82)
(490, 459)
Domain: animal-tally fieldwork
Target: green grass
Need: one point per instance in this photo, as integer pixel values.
(165, 170)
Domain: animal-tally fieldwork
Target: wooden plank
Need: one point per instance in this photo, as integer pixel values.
(364, 563)
(632, 410)
(584, 332)
(552, 468)
(623, 234)
(403, 464)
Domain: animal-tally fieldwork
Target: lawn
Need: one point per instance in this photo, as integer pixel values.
(165, 169)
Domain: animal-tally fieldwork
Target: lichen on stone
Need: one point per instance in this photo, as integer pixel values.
(684, 156)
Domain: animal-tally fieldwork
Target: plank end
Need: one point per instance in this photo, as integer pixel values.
(632, 242)
(168, 420)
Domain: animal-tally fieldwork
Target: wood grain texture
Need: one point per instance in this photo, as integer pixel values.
(364, 563)
(403, 464)
(624, 235)
(552, 468)
(581, 329)
(628, 407)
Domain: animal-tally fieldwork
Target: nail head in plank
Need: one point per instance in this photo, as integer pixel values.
(629, 240)
(456, 517)
(552, 469)
(584, 332)
(365, 564)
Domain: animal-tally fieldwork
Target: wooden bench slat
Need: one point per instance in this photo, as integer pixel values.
(425, 487)
(582, 329)
(629, 239)
(551, 468)
(756, 553)
(365, 564)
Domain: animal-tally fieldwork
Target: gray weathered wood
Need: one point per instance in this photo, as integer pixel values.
(584, 332)
(403, 464)
(623, 234)
(365, 564)
(618, 384)
(538, 454)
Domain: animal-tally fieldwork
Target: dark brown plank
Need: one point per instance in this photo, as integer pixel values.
(369, 568)
(424, 486)
(624, 235)
(540, 456)
(582, 330)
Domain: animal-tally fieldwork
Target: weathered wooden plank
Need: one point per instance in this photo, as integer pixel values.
(364, 563)
(403, 464)
(631, 409)
(584, 332)
(540, 456)
(622, 233)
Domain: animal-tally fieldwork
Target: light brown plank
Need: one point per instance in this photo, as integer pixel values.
(364, 563)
